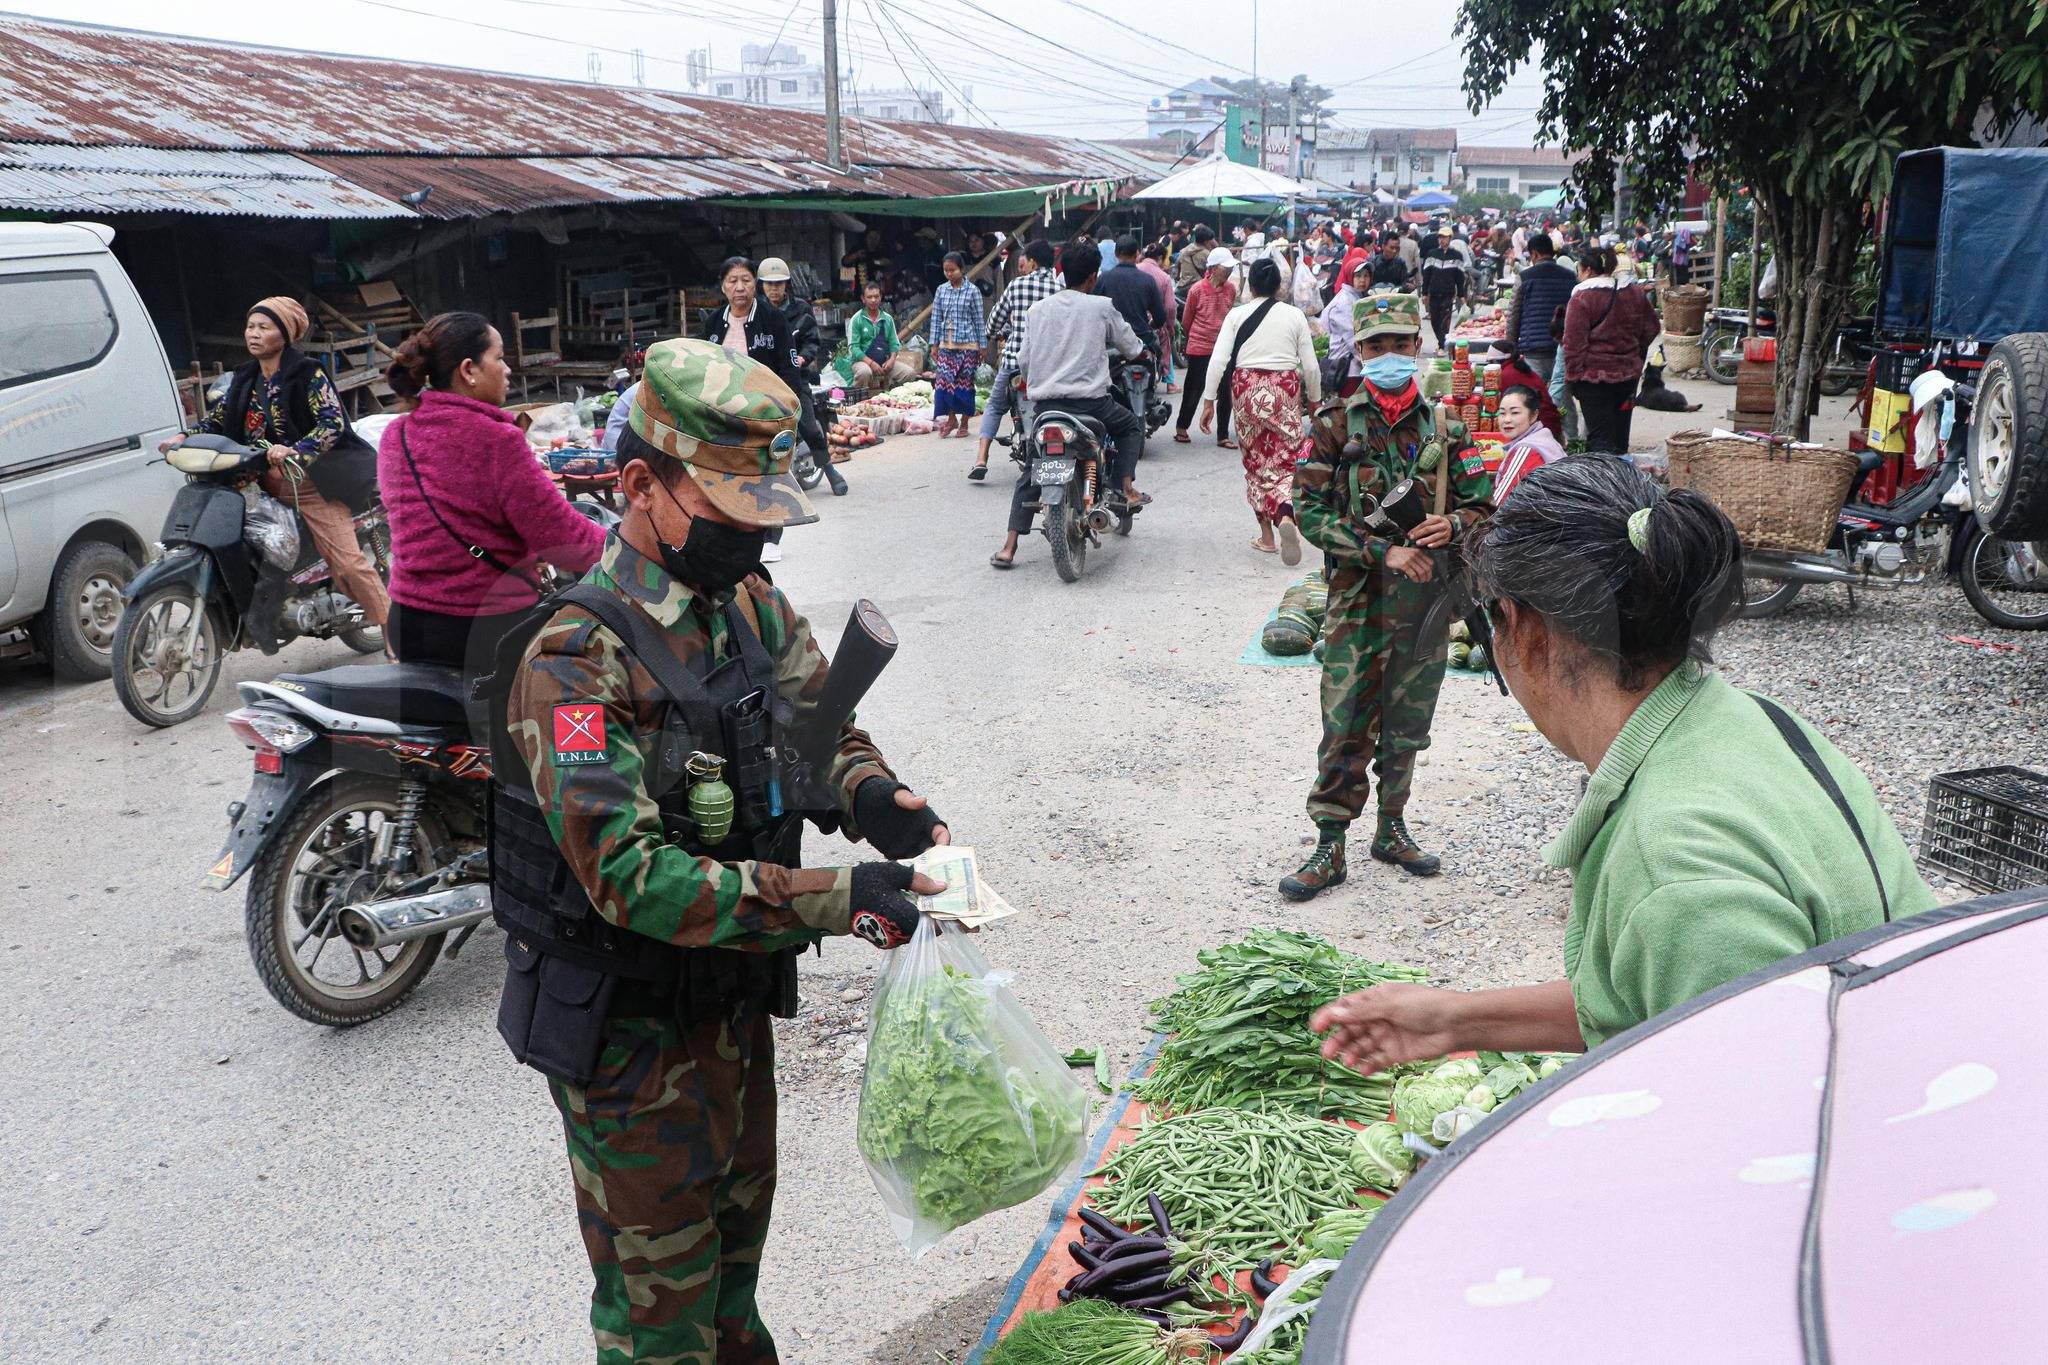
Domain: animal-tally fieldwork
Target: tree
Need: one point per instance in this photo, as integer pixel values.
(1807, 102)
(1472, 201)
(1311, 98)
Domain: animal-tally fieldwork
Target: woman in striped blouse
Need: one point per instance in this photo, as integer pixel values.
(958, 335)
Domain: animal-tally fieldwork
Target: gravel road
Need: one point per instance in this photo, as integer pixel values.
(198, 1176)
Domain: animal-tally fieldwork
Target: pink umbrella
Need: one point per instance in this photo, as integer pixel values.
(1835, 1158)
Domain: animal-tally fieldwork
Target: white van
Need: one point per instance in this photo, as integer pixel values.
(85, 396)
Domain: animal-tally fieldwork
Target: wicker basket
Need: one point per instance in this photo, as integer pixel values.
(1685, 309)
(1779, 497)
(1678, 449)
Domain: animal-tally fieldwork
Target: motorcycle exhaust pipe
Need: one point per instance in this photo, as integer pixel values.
(1100, 519)
(380, 924)
(1800, 569)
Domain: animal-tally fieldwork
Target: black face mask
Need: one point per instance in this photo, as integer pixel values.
(713, 556)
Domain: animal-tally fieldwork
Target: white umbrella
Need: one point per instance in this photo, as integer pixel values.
(1221, 178)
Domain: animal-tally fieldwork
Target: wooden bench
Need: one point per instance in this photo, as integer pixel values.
(544, 362)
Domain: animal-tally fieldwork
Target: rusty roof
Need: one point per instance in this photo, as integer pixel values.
(486, 141)
(1469, 157)
(57, 179)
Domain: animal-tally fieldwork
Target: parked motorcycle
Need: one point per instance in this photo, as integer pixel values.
(1133, 383)
(1727, 328)
(211, 591)
(1068, 457)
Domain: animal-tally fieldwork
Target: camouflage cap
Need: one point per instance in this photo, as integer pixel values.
(732, 421)
(1386, 311)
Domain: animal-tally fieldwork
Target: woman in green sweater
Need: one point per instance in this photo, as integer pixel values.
(1704, 847)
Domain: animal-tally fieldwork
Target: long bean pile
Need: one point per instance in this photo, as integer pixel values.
(1235, 1184)
(1240, 1035)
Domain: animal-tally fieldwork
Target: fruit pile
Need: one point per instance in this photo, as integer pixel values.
(843, 438)
(1464, 654)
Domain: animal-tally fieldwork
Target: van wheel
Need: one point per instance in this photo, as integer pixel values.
(2009, 438)
(85, 606)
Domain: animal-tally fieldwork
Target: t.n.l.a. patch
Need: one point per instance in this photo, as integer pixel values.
(579, 734)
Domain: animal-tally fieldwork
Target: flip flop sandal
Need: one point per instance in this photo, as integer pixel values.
(1290, 544)
(998, 562)
(1181, 438)
(1227, 443)
(978, 473)
(1265, 549)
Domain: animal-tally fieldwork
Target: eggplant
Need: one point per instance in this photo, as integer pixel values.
(1156, 1300)
(1136, 1289)
(1102, 1225)
(1134, 1246)
(1087, 1259)
(1159, 1215)
(1155, 1317)
(1236, 1337)
(1128, 1267)
(1263, 1283)
(1066, 1296)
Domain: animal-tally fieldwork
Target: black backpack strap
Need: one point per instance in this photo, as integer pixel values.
(1803, 747)
(474, 551)
(633, 627)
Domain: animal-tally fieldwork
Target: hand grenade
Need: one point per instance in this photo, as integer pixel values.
(711, 800)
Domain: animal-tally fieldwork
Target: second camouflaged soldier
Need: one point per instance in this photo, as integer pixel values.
(648, 874)
(1380, 677)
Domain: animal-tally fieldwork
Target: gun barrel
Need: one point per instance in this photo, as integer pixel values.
(864, 651)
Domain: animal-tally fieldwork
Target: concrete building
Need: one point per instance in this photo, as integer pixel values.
(1188, 113)
(1520, 171)
(784, 76)
(1398, 160)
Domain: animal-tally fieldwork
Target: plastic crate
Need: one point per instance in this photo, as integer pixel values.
(1987, 828)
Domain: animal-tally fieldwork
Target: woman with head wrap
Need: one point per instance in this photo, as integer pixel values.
(283, 400)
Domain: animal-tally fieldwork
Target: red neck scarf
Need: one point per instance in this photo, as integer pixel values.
(1394, 406)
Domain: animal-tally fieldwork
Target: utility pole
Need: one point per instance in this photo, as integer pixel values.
(1293, 145)
(832, 150)
(1257, 84)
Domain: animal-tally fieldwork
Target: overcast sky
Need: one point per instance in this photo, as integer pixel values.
(1392, 64)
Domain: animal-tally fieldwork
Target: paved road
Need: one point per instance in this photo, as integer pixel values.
(196, 1175)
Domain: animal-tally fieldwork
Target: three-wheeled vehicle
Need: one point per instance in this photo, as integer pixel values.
(1965, 287)
(1962, 294)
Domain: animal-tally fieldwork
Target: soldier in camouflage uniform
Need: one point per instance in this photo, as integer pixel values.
(672, 1138)
(1380, 677)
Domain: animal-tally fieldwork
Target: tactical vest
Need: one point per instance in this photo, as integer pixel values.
(731, 709)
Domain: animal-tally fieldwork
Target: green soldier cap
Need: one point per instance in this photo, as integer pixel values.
(1385, 311)
(732, 421)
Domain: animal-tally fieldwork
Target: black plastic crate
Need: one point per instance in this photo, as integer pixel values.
(1987, 828)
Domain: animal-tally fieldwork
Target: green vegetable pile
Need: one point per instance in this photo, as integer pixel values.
(1240, 1031)
(1379, 1156)
(1331, 1235)
(1088, 1332)
(1237, 1185)
(944, 1112)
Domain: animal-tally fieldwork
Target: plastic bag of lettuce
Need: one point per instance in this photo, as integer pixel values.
(965, 1106)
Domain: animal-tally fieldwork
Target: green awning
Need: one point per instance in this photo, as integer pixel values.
(988, 204)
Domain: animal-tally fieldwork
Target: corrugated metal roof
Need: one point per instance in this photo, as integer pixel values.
(487, 140)
(156, 180)
(1469, 157)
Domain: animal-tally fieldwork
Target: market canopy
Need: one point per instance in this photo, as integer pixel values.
(1221, 178)
(1431, 199)
(1789, 1168)
(1544, 199)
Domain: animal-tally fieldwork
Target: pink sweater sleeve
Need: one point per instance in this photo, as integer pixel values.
(549, 528)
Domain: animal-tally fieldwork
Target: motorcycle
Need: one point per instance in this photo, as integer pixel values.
(1727, 328)
(365, 831)
(211, 591)
(808, 468)
(1067, 456)
(1133, 383)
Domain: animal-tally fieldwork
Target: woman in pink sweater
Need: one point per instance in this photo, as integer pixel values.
(471, 509)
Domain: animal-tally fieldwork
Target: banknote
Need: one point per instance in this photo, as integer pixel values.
(967, 898)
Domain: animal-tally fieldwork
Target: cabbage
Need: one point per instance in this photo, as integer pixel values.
(1419, 1099)
(1480, 1097)
(1508, 1079)
(1466, 1069)
(1551, 1065)
(1380, 1157)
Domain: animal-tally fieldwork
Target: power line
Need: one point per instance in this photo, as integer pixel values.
(953, 43)
(1163, 42)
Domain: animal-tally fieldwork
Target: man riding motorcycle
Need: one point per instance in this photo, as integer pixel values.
(1065, 364)
(1136, 296)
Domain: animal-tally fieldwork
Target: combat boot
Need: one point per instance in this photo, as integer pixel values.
(1323, 870)
(1392, 845)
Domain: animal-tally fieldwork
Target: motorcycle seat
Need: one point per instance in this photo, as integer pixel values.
(1092, 425)
(410, 694)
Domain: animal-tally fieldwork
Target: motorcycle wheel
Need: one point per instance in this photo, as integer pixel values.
(1721, 353)
(1068, 538)
(376, 545)
(1836, 381)
(1762, 597)
(158, 680)
(2006, 581)
(321, 861)
(809, 472)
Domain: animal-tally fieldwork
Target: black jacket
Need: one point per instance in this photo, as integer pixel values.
(1443, 271)
(1389, 271)
(768, 339)
(1136, 296)
(804, 341)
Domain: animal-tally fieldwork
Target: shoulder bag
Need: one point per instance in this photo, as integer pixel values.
(469, 548)
(1796, 739)
(1244, 334)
